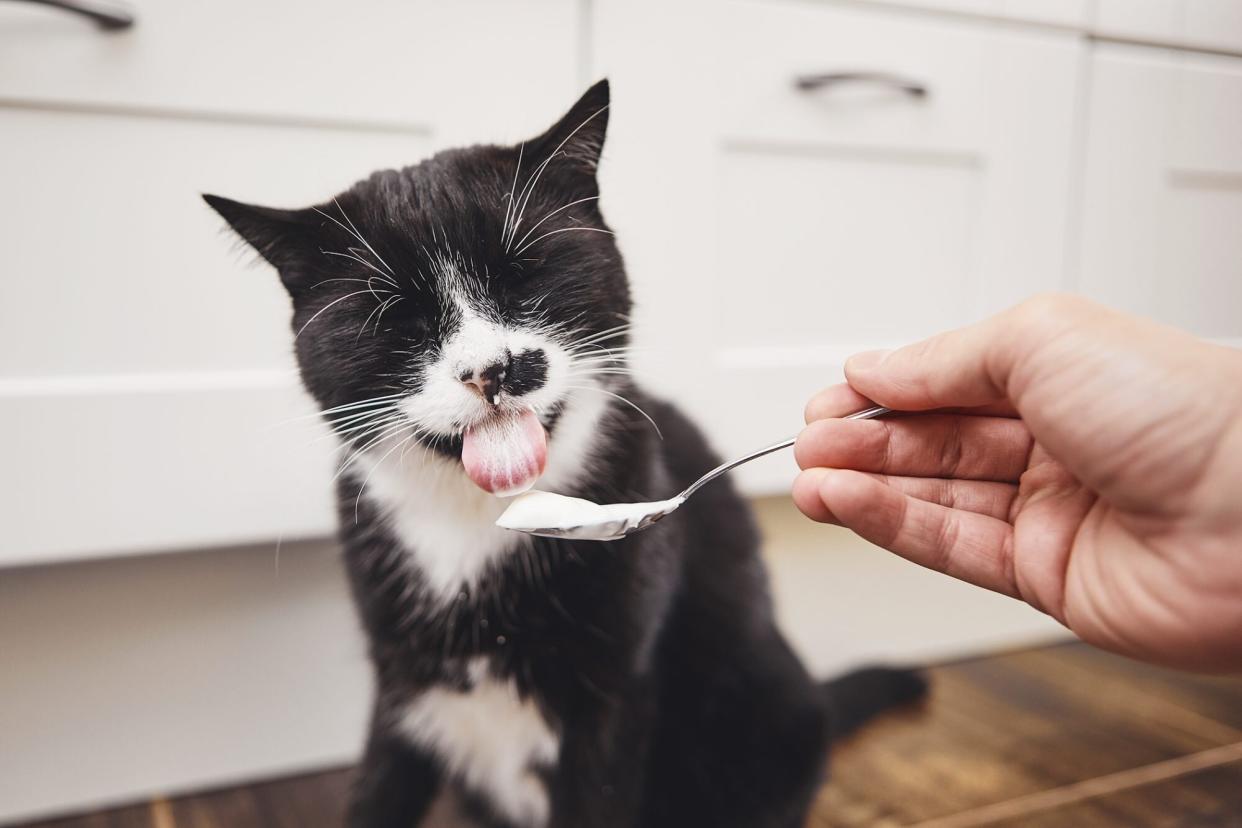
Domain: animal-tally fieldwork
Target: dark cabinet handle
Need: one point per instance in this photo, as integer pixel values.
(810, 83)
(107, 15)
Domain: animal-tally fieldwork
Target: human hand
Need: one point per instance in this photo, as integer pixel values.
(1084, 461)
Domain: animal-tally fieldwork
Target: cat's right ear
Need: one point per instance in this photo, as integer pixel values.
(282, 237)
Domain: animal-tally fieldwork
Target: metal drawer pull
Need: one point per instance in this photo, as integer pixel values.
(108, 15)
(810, 83)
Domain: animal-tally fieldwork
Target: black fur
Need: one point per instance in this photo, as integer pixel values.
(655, 658)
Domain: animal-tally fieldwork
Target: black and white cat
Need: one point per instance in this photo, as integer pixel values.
(461, 323)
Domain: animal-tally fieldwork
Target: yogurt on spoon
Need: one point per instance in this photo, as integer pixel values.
(557, 516)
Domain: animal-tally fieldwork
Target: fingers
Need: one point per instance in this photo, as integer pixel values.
(840, 400)
(983, 497)
(835, 401)
(980, 496)
(930, 445)
(973, 547)
(971, 366)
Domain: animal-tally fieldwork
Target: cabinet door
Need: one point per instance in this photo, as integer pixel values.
(1162, 197)
(145, 370)
(1212, 24)
(145, 373)
(772, 231)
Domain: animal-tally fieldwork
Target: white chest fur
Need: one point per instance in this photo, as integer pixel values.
(491, 739)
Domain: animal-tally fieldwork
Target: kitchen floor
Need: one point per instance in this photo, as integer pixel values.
(1049, 736)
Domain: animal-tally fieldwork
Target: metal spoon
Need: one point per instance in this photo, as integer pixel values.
(557, 516)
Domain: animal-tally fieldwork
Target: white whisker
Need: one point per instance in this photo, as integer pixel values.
(630, 403)
(564, 230)
(324, 308)
(535, 226)
(529, 189)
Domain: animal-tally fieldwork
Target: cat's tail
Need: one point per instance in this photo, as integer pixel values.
(857, 697)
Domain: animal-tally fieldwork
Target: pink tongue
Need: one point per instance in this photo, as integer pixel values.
(506, 454)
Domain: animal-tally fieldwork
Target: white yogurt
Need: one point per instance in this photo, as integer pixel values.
(558, 516)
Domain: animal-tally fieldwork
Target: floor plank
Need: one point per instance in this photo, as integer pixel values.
(1054, 736)
(1012, 725)
(1211, 797)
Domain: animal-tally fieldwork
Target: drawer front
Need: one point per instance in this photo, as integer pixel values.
(382, 61)
(778, 44)
(128, 465)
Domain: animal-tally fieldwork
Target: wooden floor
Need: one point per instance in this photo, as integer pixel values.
(1057, 736)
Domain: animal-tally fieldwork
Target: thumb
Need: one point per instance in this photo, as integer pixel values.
(971, 366)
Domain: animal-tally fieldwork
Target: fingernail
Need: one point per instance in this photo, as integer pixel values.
(866, 360)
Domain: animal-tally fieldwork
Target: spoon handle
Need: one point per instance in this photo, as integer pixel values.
(866, 414)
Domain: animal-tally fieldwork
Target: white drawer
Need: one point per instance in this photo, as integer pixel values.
(122, 267)
(376, 61)
(1214, 24)
(777, 44)
(155, 464)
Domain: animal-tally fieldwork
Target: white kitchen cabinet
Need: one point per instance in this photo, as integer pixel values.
(146, 368)
(453, 68)
(1209, 24)
(145, 372)
(798, 226)
(1162, 192)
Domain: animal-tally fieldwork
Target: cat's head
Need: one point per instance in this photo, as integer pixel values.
(461, 303)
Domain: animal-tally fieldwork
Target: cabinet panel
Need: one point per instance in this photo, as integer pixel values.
(770, 233)
(117, 265)
(836, 248)
(412, 63)
(141, 465)
(147, 371)
(1163, 189)
(1213, 24)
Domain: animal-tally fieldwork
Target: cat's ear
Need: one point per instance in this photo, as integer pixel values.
(579, 135)
(282, 237)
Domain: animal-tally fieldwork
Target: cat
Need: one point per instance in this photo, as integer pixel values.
(462, 325)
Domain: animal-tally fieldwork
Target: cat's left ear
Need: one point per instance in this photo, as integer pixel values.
(282, 237)
(579, 135)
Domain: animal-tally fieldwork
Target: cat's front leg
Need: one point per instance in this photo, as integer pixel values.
(396, 782)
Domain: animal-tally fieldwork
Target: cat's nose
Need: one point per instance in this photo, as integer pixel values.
(489, 380)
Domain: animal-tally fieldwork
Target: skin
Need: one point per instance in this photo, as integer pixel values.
(1081, 460)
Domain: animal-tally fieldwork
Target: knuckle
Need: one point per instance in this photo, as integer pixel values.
(947, 534)
(1049, 307)
(951, 449)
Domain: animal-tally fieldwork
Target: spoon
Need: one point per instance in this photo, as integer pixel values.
(557, 516)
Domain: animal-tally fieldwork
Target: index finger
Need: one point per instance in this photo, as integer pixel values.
(841, 400)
